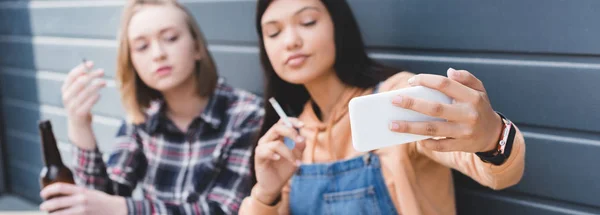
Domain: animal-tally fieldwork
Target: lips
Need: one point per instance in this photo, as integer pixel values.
(164, 70)
(296, 60)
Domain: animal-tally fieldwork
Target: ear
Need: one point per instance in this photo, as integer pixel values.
(198, 55)
(198, 52)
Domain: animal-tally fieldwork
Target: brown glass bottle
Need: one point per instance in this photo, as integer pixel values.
(54, 170)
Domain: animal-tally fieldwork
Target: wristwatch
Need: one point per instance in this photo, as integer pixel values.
(499, 155)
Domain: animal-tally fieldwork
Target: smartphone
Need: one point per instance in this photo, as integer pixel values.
(371, 115)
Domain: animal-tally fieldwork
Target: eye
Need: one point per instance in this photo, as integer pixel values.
(141, 47)
(271, 30)
(172, 38)
(309, 23)
(272, 35)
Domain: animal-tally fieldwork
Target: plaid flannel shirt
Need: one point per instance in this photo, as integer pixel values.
(203, 171)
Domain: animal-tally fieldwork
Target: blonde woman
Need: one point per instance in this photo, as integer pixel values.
(188, 137)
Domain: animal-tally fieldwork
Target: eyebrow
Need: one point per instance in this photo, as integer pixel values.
(296, 13)
(160, 32)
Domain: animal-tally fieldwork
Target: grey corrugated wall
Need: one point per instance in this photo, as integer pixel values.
(537, 58)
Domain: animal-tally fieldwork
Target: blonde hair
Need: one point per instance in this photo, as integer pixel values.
(136, 96)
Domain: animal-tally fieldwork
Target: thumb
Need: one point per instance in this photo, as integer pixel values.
(466, 78)
(299, 149)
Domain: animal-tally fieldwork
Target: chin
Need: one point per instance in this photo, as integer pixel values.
(164, 85)
(302, 76)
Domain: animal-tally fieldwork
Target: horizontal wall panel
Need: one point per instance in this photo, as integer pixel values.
(239, 65)
(483, 202)
(101, 20)
(57, 54)
(93, 21)
(557, 167)
(25, 181)
(508, 81)
(512, 84)
(24, 153)
(44, 87)
(538, 60)
(502, 26)
(23, 117)
(26, 148)
(459, 25)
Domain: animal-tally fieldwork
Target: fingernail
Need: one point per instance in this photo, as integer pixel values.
(453, 73)
(298, 163)
(300, 124)
(397, 100)
(276, 157)
(411, 81)
(394, 126)
(300, 139)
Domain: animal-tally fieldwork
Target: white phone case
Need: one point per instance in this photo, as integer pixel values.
(371, 115)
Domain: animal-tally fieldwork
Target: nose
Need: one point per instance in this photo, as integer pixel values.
(158, 52)
(292, 39)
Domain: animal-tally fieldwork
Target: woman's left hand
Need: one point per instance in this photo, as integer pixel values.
(472, 125)
(72, 199)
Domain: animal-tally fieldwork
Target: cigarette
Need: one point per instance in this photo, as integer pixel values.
(286, 140)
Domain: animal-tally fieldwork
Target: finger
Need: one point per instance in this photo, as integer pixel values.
(76, 72)
(263, 154)
(86, 106)
(70, 211)
(89, 92)
(59, 189)
(442, 145)
(80, 83)
(295, 122)
(445, 85)
(279, 148)
(274, 151)
(58, 203)
(451, 112)
(431, 128)
(87, 66)
(299, 150)
(466, 78)
(281, 130)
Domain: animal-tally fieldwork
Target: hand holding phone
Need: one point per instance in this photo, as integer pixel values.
(371, 115)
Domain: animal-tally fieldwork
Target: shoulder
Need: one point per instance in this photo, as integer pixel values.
(241, 105)
(128, 130)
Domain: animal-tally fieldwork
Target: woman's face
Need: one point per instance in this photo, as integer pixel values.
(162, 48)
(299, 39)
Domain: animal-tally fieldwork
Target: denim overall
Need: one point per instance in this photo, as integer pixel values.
(354, 186)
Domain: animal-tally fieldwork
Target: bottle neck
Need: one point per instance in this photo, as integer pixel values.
(50, 146)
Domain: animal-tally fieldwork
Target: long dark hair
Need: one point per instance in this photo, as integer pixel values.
(352, 64)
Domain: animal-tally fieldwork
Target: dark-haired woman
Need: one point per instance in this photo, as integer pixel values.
(315, 62)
